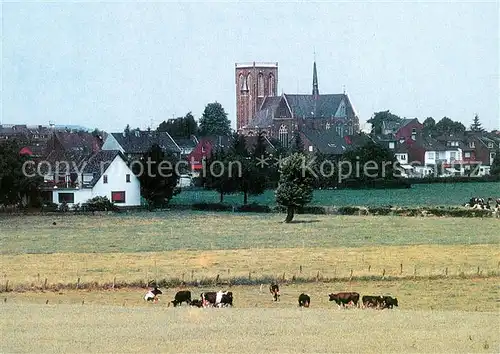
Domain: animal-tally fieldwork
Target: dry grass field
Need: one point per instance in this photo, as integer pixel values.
(437, 313)
(101, 329)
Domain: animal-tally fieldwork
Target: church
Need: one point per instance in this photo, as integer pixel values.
(259, 108)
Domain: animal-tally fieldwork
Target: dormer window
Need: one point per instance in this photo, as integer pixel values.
(203, 149)
(105, 179)
(391, 145)
(490, 145)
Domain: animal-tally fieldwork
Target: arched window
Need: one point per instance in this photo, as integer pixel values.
(271, 85)
(283, 136)
(327, 126)
(241, 81)
(260, 85)
(249, 83)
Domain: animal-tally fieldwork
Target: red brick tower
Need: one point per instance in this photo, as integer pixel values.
(254, 81)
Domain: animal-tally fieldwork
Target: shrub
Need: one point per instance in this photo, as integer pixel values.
(348, 210)
(253, 208)
(380, 211)
(99, 204)
(49, 207)
(63, 207)
(212, 207)
(311, 210)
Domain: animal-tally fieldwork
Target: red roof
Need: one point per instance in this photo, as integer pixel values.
(25, 151)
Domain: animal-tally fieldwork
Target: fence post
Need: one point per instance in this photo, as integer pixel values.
(300, 269)
(383, 273)
(45, 284)
(283, 276)
(7, 285)
(446, 271)
(477, 270)
(369, 267)
(414, 271)
(77, 283)
(317, 276)
(401, 272)
(350, 277)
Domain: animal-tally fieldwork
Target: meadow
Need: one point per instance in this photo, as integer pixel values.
(77, 328)
(444, 272)
(446, 194)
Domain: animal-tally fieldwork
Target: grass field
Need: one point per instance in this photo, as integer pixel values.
(76, 328)
(170, 231)
(458, 313)
(417, 195)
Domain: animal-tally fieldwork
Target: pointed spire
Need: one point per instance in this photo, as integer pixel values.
(315, 90)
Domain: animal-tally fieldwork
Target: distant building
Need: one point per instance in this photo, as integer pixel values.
(280, 116)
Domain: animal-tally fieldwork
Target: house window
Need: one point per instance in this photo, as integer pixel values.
(391, 145)
(453, 156)
(283, 136)
(105, 179)
(87, 178)
(490, 145)
(203, 149)
(118, 197)
(327, 126)
(472, 145)
(431, 155)
(66, 197)
(310, 148)
(402, 157)
(467, 155)
(127, 178)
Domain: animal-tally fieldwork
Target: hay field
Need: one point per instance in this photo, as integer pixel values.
(472, 295)
(76, 328)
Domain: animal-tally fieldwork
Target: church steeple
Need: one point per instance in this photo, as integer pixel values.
(315, 90)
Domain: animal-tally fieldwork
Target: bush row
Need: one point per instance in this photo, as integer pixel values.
(348, 210)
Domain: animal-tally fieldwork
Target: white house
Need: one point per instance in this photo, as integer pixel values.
(445, 156)
(103, 174)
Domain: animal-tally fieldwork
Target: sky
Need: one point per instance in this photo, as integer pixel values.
(109, 64)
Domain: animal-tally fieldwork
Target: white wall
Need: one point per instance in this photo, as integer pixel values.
(116, 173)
(80, 195)
(441, 155)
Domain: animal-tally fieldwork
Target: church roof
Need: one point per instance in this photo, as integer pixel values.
(309, 106)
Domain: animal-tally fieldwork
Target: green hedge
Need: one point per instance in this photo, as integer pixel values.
(253, 208)
(212, 207)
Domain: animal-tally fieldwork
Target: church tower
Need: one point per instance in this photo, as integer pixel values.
(254, 82)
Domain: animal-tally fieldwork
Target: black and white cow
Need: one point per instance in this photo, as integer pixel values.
(389, 302)
(304, 300)
(182, 296)
(275, 291)
(152, 294)
(217, 299)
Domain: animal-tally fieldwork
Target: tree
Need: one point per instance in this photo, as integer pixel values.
(380, 117)
(260, 168)
(297, 144)
(158, 177)
(447, 127)
(495, 166)
(429, 125)
(374, 161)
(18, 185)
(476, 125)
(181, 127)
(295, 187)
(214, 121)
(127, 130)
(217, 175)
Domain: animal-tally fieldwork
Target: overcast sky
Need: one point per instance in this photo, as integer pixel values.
(108, 65)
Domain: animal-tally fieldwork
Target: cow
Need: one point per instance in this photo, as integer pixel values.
(372, 301)
(182, 296)
(304, 300)
(152, 294)
(196, 303)
(345, 298)
(217, 299)
(389, 302)
(275, 291)
(208, 298)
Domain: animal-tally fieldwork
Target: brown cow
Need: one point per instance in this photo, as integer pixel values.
(345, 298)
